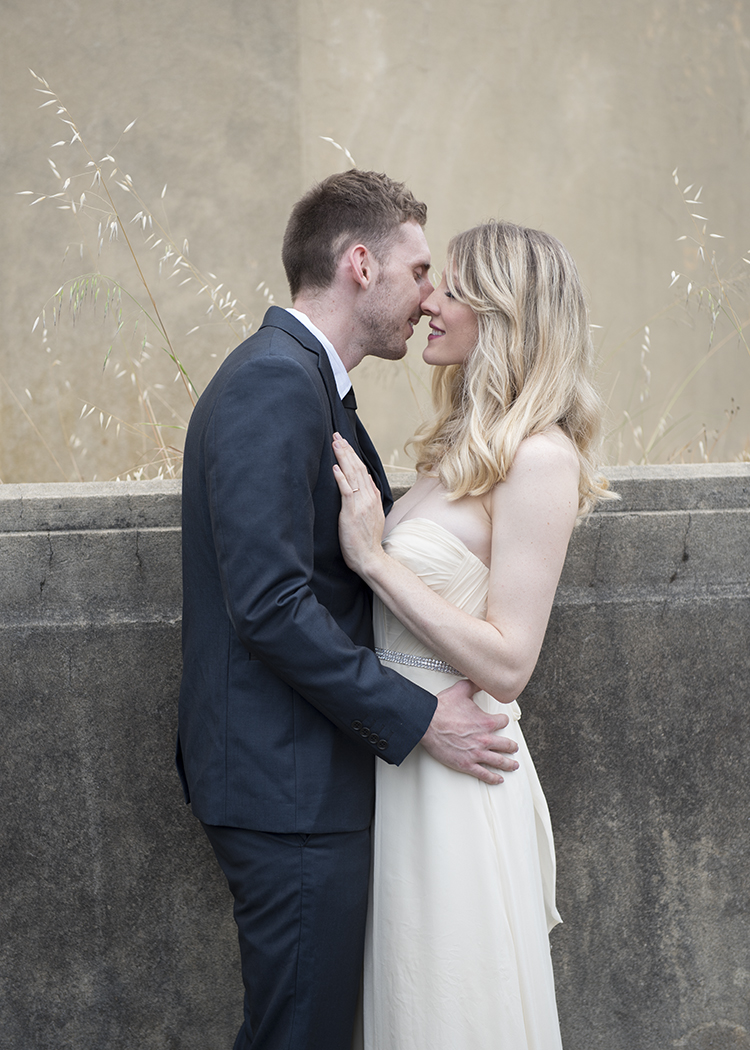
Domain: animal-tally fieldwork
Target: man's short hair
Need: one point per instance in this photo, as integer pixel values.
(347, 208)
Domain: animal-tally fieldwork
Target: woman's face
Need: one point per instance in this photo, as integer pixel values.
(454, 329)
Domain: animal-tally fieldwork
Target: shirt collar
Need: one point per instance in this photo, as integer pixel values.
(341, 378)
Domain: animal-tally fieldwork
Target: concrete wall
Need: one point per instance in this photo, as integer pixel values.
(115, 925)
(565, 114)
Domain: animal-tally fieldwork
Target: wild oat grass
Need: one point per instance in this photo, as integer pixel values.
(713, 309)
(117, 226)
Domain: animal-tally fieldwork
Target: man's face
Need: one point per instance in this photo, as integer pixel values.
(401, 285)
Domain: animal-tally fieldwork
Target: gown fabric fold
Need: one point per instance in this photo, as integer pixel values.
(463, 889)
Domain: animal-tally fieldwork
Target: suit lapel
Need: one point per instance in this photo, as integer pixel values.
(357, 436)
(373, 463)
(360, 440)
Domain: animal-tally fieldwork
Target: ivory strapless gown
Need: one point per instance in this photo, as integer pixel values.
(463, 890)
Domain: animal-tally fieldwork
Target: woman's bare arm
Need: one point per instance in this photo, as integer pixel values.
(533, 512)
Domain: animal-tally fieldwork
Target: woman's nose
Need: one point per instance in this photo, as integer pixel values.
(429, 304)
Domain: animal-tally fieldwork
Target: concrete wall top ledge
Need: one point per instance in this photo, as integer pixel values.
(65, 506)
(658, 487)
(683, 486)
(89, 505)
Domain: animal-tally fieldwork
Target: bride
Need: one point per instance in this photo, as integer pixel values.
(463, 888)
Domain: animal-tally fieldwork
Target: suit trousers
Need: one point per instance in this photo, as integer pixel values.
(300, 904)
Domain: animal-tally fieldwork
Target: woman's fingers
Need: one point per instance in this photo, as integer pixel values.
(361, 518)
(344, 487)
(350, 465)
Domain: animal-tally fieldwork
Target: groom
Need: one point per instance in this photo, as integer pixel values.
(284, 706)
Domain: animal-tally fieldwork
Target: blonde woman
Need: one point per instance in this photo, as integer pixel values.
(463, 891)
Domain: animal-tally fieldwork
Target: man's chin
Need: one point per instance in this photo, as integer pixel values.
(389, 353)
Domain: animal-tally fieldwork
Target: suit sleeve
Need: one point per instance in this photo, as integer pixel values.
(267, 443)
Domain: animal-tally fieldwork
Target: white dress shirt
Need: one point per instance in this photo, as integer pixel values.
(340, 375)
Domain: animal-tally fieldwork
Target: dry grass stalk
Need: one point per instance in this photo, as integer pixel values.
(715, 298)
(102, 196)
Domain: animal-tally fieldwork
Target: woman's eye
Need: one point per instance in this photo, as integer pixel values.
(449, 295)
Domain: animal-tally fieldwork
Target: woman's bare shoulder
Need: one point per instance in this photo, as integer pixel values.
(541, 486)
(550, 452)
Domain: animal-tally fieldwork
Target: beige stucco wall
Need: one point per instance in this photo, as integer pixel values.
(569, 116)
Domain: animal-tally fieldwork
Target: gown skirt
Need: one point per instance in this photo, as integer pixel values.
(462, 896)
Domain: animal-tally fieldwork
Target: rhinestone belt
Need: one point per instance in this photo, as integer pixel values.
(431, 663)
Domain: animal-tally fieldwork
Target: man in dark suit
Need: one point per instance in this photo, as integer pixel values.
(284, 706)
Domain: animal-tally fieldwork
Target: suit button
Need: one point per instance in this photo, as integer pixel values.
(374, 738)
(364, 731)
(356, 725)
(382, 744)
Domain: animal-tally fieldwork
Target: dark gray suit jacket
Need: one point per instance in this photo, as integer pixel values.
(283, 705)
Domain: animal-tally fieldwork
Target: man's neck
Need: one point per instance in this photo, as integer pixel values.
(336, 323)
(340, 375)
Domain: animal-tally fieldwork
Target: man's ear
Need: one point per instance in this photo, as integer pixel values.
(360, 265)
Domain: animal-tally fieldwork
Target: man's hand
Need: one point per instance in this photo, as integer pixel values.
(464, 738)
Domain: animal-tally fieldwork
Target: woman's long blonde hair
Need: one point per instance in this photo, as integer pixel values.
(531, 368)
